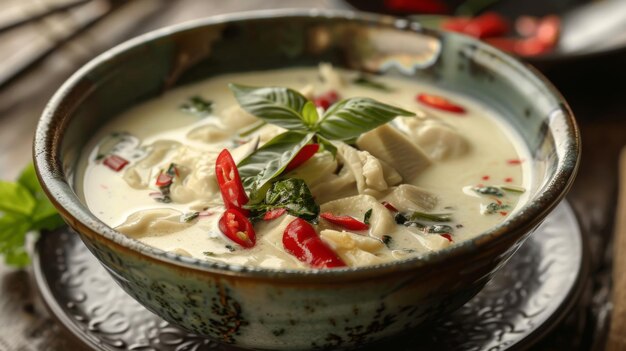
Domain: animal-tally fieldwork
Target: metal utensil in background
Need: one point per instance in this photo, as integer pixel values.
(599, 25)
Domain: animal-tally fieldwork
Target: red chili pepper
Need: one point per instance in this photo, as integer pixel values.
(301, 240)
(515, 161)
(273, 214)
(447, 236)
(527, 26)
(115, 162)
(456, 24)
(439, 103)
(485, 177)
(164, 179)
(303, 155)
(487, 25)
(347, 222)
(417, 6)
(237, 228)
(389, 206)
(548, 30)
(508, 179)
(228, 179)
(326, 100)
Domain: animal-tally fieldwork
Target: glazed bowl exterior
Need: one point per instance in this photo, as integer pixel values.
(286, 309)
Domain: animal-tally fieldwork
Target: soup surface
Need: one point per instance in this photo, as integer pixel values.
(407, 187)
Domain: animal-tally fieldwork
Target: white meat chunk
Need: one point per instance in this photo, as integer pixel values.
(235, 118)
(409, 198)
(438, 139)
(354, 249)
(369, 172)
(139, 174)
(315, 169)
(334, 186)
(391, 145)
(209, 133)
(381, 220)
(154, 222)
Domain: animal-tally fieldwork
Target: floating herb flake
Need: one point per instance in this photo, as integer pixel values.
(197, 105)
(488, 190)
(230, 247)
(208, 253)
(366, 217)
(495, 207)
(513, 189)
(188, 217)
(439, 229)
(387, 240)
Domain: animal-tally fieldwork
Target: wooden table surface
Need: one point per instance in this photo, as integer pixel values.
(596, 90)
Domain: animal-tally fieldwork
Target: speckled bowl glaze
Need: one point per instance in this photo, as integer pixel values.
(281, 309)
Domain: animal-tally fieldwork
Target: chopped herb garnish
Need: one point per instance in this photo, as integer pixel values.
(495, 207)
(488, 190)
(400, 218)
(439, 229)
(432, 217)
(367, 82)
(513, 189)
(366, 217)
(188, 217)
(387, 240)
(414, 224)
(293, 195)
(197, 105)
(230, 247)
(164, 186)
(208, 253)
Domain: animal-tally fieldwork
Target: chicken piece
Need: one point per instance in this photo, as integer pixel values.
(439, 140)
(334, 186)
(381, 220)
(315, 169)
(354, 249)
(153, 222)
(391, 145)
(235, 118)
(409, 198)
(369, 172)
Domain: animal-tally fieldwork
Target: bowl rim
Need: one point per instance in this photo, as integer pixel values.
(49, 168)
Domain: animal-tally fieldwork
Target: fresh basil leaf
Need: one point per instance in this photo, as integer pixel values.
(291, 194)
(350, 118)
(13, 230)
(28, 178)
(309, 114)
(276, 105)
(16, 198)
(269, 161)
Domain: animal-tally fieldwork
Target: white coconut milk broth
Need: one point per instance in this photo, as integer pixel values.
(489, 161)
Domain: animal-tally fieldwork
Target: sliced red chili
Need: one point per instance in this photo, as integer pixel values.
(440, 103)
(417, 6)
(389, 206)
(346, 222)
(237, 228)
(515, 162)
(164, 179)
(326, 100)
(228, 179)
(447, 236)
(115, 162)
(487, 25)
(301, 240)
(303, 155)
(273, 214)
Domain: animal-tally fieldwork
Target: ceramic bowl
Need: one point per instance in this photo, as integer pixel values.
(282, 309)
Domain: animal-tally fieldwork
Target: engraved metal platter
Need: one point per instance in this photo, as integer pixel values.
(527, 296)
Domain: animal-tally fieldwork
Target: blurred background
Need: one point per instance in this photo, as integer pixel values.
(579, 45)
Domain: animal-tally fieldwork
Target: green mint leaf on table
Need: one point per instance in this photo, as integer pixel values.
(350, 118)
(24, 207)
(276, 105)
(269, 161)
(291, 194)
(197, 105)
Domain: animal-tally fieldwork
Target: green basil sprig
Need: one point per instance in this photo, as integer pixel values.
(287, 108)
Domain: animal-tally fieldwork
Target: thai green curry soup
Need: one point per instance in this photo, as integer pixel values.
(323, 168)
